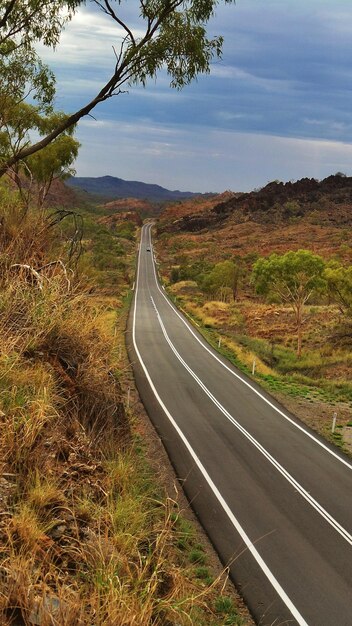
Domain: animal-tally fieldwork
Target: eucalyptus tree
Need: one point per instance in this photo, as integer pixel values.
(292, 277)
(53, 162)
(339, 279)
(222, 280)
(27, 86)
(24, 22)
(171, 36)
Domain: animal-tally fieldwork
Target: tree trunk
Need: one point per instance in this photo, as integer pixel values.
(236, 280)
(299, 330)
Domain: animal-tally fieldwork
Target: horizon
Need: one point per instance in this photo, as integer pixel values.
(255, 189)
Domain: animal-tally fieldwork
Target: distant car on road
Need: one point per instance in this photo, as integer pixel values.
(148, 249)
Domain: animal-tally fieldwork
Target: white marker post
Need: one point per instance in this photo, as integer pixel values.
(334, 422)
(128, 397)
(253, 367)
(219, 342)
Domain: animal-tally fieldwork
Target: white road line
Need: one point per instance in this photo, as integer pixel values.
(270, 576)
(305, 494)
(245, 382)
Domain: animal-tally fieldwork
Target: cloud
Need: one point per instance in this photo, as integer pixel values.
(241, 76)
(87, 40)
(211, 161)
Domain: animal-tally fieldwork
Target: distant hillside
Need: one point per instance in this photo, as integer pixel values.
(60, 195)
(311, 214)
(191, 206)
(144, 208)
(326, 202)
(112, 187)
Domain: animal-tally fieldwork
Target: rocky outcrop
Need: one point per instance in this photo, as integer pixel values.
(328, 201)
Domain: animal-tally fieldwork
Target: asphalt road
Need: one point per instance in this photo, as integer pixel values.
(274, 497)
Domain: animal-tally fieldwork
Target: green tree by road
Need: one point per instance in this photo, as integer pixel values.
(339, 279)
(222, 280)
(292, 278)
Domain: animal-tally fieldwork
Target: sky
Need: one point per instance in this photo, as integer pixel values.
(277, 106)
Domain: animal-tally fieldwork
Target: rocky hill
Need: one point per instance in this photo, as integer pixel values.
(327, 202)
(196, 206)
(128, 204)
(311, 214)
(140, 208)
(120, 217)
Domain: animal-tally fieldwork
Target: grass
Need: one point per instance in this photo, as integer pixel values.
(87, 535)
(225, 607)
(278, 367)
(197, 556)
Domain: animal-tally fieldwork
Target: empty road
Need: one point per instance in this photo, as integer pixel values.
(274, 497)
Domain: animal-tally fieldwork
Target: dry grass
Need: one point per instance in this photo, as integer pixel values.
(247, 357)
(85, 535)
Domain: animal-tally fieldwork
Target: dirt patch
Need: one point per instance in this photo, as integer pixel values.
(347, 438)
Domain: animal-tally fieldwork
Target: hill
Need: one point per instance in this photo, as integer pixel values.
(113, 187)
(305, 214)
(330, 200)
(115, 209)
(195, 206)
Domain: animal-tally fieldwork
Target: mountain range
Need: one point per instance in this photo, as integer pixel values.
(113, 187)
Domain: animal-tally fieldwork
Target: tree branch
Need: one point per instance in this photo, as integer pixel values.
(130, 63)
(32, 271)
(7, 13)
(109, 11)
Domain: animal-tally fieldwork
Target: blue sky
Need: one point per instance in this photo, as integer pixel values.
(277, 106)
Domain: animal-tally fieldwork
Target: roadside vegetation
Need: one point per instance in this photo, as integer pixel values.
(284, 318)
(87, 535)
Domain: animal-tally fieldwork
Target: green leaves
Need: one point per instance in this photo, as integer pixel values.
(55, 160)
(23, 76)
(222, 279)
(339, 280)
(290, 276)
(22, 73)
(28, 21)
(179, 42)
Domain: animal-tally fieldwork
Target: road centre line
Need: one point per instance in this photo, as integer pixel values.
(261, 563)
(245, 382)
